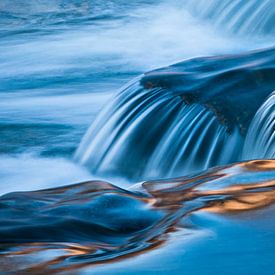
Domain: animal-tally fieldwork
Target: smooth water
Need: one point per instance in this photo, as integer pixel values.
(261, 133)
(187, 117)
(238, 16)
(62, 62)
(80, 226)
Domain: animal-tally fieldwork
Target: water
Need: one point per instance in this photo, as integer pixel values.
(76, 234)
(260, 138)
(238, 16)
(62, 62)
(195, 114)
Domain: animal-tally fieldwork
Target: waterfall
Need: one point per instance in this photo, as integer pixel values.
(239, 16)
(183, 118)
(260, 140)
(154, 133)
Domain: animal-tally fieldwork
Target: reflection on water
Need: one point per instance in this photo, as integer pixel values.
(76, 226)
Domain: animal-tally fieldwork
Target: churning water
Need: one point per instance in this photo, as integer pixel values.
(63, 61)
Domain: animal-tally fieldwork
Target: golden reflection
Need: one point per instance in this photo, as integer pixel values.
(221, 190)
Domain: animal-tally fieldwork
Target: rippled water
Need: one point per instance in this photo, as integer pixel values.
(62, 61)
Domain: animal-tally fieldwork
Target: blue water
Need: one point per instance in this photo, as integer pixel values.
(63, 61)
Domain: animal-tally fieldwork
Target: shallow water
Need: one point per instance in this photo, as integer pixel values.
(61, 63)
(91, 223)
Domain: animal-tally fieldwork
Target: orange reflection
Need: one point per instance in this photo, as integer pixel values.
(234, 188)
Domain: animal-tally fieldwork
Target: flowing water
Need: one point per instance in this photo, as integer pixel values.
(62, 229)
(195, 114)
(260, 138)
(238, 16)
(62, 62)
